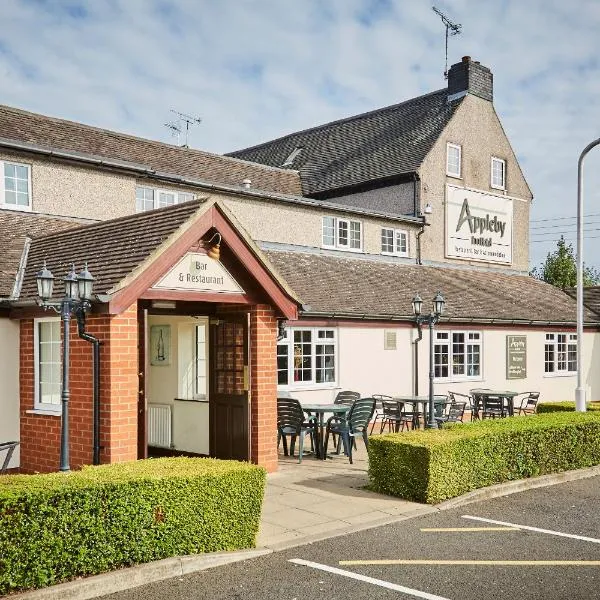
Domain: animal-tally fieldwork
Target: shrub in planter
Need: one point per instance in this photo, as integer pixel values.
(57, 526)
(434, 465)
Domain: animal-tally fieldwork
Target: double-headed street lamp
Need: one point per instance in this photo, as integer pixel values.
(78, 294)
(430, 319)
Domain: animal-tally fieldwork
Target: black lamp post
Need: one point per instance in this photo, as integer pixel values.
(430, 319)
(78, 294)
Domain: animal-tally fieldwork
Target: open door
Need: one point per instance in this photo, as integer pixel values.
(142, 385)
(228, 399)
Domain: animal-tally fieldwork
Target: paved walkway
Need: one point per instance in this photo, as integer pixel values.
(317, 499)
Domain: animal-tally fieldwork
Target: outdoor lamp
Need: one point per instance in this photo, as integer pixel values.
(71, 286)
(85, 284)
(438, 304)
(417, 305)
(45, 283)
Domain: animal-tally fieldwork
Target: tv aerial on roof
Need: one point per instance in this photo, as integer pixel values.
(451, 29)
(177, 128)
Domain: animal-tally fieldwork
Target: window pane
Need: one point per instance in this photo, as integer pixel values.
(49, 362)
(549, 357)
(22, 172)
(342, 233)
(166, 199)
(10, 170)
(453, 160)
(497, 172)
(387, 240)
(458, 353)
(325, 363)
(184, 197)
(282, 363)
(302, 355)
(355, 235)
(401, 246)
(328, 231)
(440, 354)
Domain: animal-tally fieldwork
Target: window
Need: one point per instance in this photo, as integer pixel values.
(200, 362)
(342, 234)
(47, 364)
(560, 353)
(147, 198)
(394, 241)
(15, 186)
(457, 354)
(453, 160)
(498, 173)
(306, 356)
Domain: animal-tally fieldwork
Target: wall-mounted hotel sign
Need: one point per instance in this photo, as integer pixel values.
(197, 272)
(516, 356)
(478, 226)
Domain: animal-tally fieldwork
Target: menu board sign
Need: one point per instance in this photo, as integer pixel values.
(516, 356)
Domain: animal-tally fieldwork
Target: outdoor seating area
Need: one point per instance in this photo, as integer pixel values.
(350, 416)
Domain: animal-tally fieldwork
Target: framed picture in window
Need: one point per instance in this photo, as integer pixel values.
(160, 345)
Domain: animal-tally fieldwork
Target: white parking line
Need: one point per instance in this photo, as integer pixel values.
(372, 580)
(537, 529)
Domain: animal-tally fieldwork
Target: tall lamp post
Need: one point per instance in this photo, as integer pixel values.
(78, 294)
(431, 319)
(579, 390)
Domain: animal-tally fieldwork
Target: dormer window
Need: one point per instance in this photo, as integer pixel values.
(453, 160)
(342, 234)
(498, 178)
(289, 161)
(15, 186)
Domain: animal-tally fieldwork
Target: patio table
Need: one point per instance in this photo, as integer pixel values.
(319, 410)
(421, 404)
(480, 396)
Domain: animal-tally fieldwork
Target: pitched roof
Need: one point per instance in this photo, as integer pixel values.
(591, 297)
(112, 249)
(58, 134)
(371, 146)
(359, 287)
(15, 228)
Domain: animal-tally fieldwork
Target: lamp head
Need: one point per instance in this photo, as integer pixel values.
(45, 283)
(438, 304)
(417, 305)
(85, 284)
(71, 288)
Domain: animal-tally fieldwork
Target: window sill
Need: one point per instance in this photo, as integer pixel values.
(309, 387)
(498, 188)
(453, 175)
(44, 411)
(398, 254)
(561, 374)
(458, 380)
(15, 207)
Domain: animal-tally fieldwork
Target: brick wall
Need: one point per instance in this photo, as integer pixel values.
(40, 434)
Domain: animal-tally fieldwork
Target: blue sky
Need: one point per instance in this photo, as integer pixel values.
(253, 70)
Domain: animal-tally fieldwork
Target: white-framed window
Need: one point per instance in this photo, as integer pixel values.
(48, 363)
(457, 355)
(15, 185)
(453, 160)
(560, 354)
(343, 234)
(307, 356)
(200, 362)
(147, 198)
(498, 173)
(394, 241)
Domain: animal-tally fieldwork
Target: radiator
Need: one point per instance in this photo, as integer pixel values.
(159, 425)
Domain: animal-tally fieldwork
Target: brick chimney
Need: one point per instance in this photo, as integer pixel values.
(469, 76)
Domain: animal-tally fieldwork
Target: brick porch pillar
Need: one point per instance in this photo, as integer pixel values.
(263, 386)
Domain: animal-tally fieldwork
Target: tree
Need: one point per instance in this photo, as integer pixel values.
(560, 268)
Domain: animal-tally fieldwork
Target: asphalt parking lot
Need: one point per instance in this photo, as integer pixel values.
(478, 552)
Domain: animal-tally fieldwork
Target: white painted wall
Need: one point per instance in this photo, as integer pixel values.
(366, 367)
(9, 380)
(166, 383)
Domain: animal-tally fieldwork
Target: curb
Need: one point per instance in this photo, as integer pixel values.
(125, 579)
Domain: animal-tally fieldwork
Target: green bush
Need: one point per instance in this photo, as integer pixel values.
(432, 466)
(550, 407)
(58, 526)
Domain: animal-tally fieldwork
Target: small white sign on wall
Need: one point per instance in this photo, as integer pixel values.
(478, 226)
(199, 273)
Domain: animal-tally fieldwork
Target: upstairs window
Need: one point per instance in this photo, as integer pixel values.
(394, 242)
(560, 353)
(498, 173)
(343, 234)
(15, 185)
(147, 198)
(453, 160)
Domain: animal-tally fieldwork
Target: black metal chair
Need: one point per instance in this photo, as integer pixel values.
(455, 414)
(466, 398)
(493, 407)
(10, 448)
(394, 415)
(292, 421)
(346, 397)
(355, 423)
(528, 404)
(378, 414)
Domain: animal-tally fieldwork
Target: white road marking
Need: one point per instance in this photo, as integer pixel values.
(537, 529)
(466, 529)
(372, 580)
(487, 563)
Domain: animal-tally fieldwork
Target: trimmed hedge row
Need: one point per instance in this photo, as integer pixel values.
(58, 526)
(432, 466)
(550, 407)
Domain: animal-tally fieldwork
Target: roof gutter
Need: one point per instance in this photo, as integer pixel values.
(147, 171)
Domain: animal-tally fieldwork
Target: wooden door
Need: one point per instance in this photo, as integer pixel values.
(229, 383)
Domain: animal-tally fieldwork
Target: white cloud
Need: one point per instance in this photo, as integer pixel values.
(256, 69)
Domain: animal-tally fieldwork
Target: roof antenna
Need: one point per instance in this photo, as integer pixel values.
(453, 28)
(175, 130)
(188, 120)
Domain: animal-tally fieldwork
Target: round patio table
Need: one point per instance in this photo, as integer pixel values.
(481, 395)
(319, 410)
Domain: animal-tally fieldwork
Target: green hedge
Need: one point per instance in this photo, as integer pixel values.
(550, 407)
(432, 466)
(58, 526)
